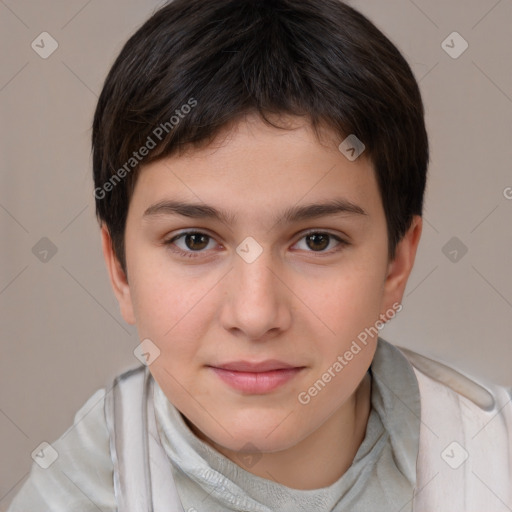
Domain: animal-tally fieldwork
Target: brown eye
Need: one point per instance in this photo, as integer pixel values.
(321, 243)
(191, 244)
(317, 241)
(196, 241)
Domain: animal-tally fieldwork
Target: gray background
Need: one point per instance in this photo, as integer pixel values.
(62, 336)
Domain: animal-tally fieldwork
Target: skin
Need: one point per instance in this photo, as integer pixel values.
(302, 301)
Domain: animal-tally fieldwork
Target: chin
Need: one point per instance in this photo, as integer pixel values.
(257, 432)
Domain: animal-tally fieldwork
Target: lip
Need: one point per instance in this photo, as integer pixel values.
(255, 367)
(256, 377)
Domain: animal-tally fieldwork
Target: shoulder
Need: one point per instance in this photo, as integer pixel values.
(465, 453)
(74, 472)
(475, 392)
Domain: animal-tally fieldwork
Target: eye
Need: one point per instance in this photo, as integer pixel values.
(190, 242)
(318, 241)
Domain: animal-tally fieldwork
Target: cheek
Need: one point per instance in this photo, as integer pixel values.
(171, 310)
(350, 302)
(350, 309)
(164, 296)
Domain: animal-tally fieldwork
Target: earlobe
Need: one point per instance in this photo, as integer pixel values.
(118, 279)
(400, 268)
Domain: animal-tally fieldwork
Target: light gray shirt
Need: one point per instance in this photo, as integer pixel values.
(382, 476)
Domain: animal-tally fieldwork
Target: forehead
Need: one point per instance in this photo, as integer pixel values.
(253, 165)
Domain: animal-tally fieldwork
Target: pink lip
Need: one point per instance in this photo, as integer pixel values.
(247, 366)
(256, 378)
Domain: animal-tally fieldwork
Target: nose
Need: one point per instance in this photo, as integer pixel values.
(258, 303)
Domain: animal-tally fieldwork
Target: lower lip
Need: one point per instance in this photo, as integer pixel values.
(256, 383)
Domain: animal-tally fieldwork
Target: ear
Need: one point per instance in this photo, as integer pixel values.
(400, 268)
(118, 278)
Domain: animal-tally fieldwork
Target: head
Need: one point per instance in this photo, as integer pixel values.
(235, 226)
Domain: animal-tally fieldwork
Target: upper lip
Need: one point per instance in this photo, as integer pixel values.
(255, 367)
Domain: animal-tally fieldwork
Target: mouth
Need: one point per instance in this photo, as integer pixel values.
(256, 377)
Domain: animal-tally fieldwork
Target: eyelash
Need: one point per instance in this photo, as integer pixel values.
(195, 254)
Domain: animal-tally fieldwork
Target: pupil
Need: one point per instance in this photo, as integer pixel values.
(193, 240)
(318, 238)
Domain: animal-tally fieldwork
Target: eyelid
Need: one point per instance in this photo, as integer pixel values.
(323, 232)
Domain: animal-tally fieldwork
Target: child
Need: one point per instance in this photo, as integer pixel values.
(230, 138)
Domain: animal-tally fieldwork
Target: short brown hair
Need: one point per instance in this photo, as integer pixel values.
(319, 59)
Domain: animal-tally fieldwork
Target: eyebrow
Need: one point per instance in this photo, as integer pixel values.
(290, 215)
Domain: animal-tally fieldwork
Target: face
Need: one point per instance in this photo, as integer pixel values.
(254, 265)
